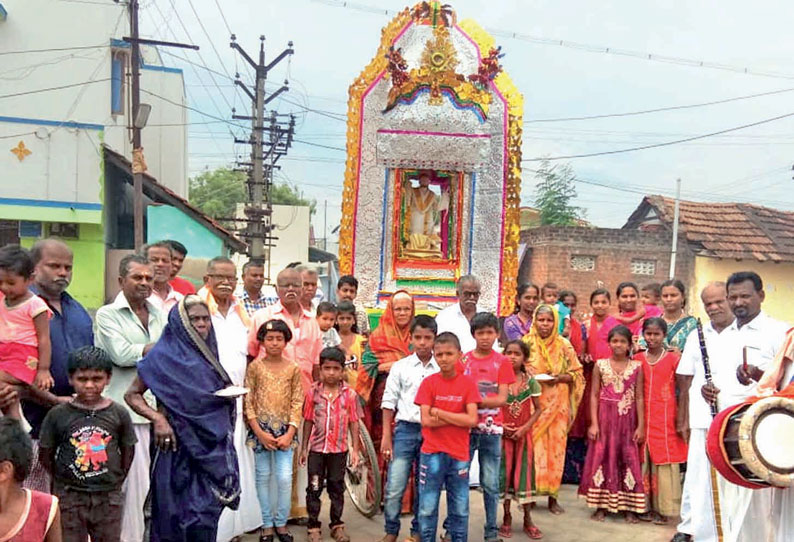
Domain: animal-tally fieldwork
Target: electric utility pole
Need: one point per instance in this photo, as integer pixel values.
(138, 117)
(265, 151)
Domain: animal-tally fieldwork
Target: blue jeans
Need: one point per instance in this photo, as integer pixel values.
(436, 471)
(406, 441)
(274, 464)
(489, 454)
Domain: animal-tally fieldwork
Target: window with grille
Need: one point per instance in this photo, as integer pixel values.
(643, 267)
(582, 263)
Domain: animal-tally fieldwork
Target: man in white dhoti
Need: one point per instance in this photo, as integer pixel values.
(746, 512)
(697, 504)
(230, 322)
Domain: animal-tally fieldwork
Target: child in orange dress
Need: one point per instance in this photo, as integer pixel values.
(24, 327)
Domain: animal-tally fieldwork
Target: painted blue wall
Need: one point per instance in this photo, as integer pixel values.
(166, 222)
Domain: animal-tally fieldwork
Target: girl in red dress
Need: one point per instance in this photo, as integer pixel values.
(665, 449)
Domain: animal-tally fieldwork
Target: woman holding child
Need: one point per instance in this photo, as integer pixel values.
(194, 470)
(553, 360)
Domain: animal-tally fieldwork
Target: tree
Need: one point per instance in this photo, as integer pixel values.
(554, 192)
(217, 193)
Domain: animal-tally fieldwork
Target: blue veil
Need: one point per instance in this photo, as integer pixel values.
(183, 372)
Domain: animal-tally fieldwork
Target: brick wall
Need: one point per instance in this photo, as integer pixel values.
(612, 253)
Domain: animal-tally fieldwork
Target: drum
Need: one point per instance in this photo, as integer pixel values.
(752, 444)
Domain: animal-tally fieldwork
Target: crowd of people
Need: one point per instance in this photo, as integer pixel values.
(182, 415)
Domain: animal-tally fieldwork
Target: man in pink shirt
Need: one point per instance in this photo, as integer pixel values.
(304, 348)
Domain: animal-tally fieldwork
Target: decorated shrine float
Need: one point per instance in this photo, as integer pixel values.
(433, 175)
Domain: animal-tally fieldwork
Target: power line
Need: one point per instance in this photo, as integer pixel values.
(200, 112)
(54, 49)
(660, 109)
(590, 48)
(655, 145)
(223, 16)
(319, 145)
(53, 88)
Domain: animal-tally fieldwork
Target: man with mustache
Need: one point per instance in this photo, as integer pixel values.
(70, 329)
(457, 318)
(230, 322)
(747, 512)
(303, 349)
(694, 416)
(163, 295)
(127, 329)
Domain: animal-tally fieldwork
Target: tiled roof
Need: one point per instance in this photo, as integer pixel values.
(738, 231)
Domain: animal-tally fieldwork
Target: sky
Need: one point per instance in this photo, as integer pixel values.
(569, 59)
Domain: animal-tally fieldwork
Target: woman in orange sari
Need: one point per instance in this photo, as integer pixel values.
(553, 361)
(388, 343)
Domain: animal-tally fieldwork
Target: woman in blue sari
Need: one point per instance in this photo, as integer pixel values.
(194, 468)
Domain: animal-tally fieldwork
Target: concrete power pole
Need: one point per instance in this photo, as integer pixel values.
(265, 152)
(676, 214)
(137, 120)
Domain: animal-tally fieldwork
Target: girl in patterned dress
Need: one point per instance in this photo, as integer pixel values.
(520, 412)
(612, 476)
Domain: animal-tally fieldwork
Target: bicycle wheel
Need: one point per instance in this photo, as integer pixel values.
(363, 484)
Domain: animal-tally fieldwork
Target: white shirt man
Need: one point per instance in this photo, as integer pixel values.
(457, 318)
(697, 506)
(746, 513)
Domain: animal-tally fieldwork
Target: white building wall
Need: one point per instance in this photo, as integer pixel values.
(64, 128)
(292, 229)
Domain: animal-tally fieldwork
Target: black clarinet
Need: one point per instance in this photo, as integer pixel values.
(706, 368)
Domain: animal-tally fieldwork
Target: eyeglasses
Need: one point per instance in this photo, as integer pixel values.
(470, 293)
(224, 278)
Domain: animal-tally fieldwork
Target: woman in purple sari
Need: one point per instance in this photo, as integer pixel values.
(517, 325)
(194, 469)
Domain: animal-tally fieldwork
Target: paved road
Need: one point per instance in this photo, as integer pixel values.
(573, 526)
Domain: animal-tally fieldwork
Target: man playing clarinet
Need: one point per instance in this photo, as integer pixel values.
(694, 415)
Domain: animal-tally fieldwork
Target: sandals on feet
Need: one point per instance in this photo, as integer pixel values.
(314, 535)
(284, 537)
(506, 530)
(338, 533)
(533, 532)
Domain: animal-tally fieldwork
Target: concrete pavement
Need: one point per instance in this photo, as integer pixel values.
(573, 526)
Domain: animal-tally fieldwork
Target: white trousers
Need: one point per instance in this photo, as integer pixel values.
(697, 503)
(747, 515)
(136, 487)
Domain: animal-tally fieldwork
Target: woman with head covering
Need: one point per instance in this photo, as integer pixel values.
(194, 468)
(388, 343)
(562, 386)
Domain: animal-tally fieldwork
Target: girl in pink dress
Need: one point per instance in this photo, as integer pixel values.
(24, 327)
(612, 476)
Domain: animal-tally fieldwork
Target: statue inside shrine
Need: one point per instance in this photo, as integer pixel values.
(423, 208)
